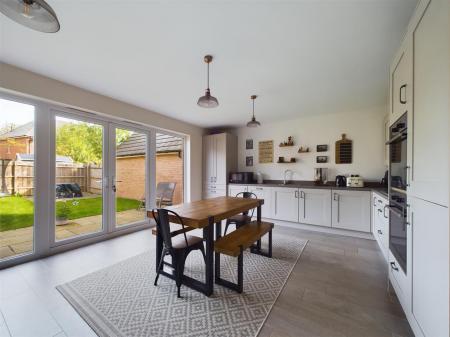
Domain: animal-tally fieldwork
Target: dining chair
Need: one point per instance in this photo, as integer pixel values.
(164, 195)
(244, 218)
(178, 246)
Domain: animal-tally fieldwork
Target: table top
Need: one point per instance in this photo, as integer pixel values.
(196, 214)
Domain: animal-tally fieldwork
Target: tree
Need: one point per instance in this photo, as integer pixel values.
(83, 142)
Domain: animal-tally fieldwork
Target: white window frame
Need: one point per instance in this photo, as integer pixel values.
(44, 243)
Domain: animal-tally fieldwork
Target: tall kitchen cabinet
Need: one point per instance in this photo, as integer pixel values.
(219, 159)
(424, 288)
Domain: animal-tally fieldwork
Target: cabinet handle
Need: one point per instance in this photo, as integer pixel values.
(408, 180)
(296, 194)
(336, 198)
(259, 188)
(304, 205)
(384, 211)
(402, 88)
(374, 201)
(393, 266)
(380, 232)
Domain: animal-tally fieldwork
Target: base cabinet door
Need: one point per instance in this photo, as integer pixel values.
(233, 190)
(430, 267)
(285, 203)
(315, 207)
(266, 194)
(351, 210)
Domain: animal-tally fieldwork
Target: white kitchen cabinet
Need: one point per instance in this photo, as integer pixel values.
(428, 122)
(351, 210)
(380, 223)
(263, 192)
(213, 192)
(285, 203)
(430, 267)
(233, 190)
(315, 206)
(219, 159)
(401, 84)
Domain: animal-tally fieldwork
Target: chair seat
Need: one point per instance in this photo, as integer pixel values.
(178, 242)
(240, 219)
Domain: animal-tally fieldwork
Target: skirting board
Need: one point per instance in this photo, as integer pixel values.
(322, 229)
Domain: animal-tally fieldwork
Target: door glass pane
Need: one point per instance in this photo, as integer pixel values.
(169, 170)
(16, 178)
(130, 176)
(79, 178)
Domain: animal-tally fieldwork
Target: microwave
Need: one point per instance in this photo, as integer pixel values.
(241, 177)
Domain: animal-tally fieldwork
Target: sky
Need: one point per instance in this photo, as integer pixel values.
(17, 113)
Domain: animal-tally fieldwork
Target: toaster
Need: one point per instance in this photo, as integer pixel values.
(355, 181)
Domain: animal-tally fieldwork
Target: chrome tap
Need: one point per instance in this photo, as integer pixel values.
(285, 172)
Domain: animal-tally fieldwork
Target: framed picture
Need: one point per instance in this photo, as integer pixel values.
(249, 144)
(322, 159)
(249, 161)
(322, 148)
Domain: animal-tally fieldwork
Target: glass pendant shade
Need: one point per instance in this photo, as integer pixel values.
(34, 14)
(207, 101)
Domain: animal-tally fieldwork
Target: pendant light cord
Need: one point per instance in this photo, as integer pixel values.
(207, 76)
(253, 108)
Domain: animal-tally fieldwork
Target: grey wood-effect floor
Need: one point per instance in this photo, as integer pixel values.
(337, 288)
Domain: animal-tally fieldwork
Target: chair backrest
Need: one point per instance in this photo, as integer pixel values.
(247, 195)
(161, 216)
(164, 192)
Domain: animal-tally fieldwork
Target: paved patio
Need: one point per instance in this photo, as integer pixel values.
(19, 241)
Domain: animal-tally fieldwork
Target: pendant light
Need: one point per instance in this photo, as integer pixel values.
(34, 14)
(253, 123)
(208, 101)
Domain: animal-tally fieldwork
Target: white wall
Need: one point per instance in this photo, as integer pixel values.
(365, 128)
(21, 81)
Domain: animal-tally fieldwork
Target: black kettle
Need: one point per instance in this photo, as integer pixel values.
(341, 181)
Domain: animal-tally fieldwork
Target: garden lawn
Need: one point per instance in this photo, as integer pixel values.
(17, 212)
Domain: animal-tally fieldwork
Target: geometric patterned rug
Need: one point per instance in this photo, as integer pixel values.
(121, 301)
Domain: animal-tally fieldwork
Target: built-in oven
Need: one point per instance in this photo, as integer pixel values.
(398, 183)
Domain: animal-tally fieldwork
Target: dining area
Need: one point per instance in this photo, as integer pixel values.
(173, 223)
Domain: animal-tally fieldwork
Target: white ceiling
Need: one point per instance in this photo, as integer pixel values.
(301, 57)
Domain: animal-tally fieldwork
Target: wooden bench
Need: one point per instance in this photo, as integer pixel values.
(235, 243)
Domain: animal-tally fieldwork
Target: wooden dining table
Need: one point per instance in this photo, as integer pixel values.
(204, 214)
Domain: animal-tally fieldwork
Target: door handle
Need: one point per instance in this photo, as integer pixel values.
(393, 266)
(402, 88)
(296, 194)
(384, 211)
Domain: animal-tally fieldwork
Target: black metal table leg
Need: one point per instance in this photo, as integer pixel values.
(208, 236)
(217, 255)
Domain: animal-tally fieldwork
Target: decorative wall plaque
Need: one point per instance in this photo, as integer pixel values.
(266, 151)
(344, 150)
(249, 144)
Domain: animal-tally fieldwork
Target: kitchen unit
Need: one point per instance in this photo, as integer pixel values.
(419, 167)
(343, 208)
(351, 210)
(380, 222)
(219, 160)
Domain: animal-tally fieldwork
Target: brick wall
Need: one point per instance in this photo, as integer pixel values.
(169, 168)
(10, 146)
(131, 175)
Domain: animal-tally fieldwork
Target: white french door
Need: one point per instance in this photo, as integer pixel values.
(130, 175)
(101, 176)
